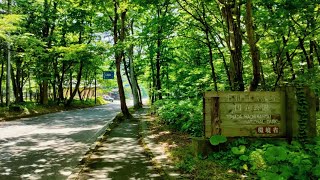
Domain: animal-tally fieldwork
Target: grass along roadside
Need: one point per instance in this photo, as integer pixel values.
(31, 109)
(179, 149)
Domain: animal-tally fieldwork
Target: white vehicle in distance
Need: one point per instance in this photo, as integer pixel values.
(108, 98)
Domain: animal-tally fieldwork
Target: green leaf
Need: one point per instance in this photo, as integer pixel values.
(238, 150)
(316, 171)
(275, 154)
(245, 167)
(217, 139)
(244, 157)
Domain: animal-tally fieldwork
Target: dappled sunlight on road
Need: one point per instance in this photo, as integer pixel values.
(120, 157)
(37, 154)
(49, 146)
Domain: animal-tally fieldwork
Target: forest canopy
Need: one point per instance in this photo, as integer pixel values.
(175, 48)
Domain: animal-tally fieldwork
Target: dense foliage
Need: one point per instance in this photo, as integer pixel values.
(183, 115)
(177, 49)
(272, 159)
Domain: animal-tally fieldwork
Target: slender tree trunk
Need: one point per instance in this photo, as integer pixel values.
(70, 78)
(311, 54)
(254, 51)
(60, 85)
(263, 81)
(309, 62)
(154, 82)
(8, 62)
(74, 92)
(47, 33)
(158, 59)
(213, 73)
(79, 94)
(55, 80)
(289, 60)
(126, 67)
(140, 95)
(1, 79)
(14, 85)
(134, 82)
(119, 55)
(317, 52)
(231, 12)
(158, 71)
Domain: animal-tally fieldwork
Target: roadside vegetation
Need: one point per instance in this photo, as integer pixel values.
(237, 158)
(29, 109)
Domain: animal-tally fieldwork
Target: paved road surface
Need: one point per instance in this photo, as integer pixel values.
(121, 156)
(50, 146)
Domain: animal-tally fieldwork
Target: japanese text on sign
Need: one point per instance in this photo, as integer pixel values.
(268, 130)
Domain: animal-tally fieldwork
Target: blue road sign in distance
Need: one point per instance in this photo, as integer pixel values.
(108, 75)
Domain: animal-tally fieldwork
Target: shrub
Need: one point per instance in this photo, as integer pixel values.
(183, 115)
(272, 159)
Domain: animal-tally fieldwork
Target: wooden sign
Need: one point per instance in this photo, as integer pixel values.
(256, 114)
(244, 114)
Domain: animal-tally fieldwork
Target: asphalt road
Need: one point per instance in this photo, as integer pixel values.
(50, 146)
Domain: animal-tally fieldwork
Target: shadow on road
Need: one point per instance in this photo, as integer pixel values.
(49, 146)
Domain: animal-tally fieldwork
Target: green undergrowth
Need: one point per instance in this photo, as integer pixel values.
(87, 103)
(28, 109)
(267, 159)
(182, 115)
(271, 159)
(254, 159)
(199, 168)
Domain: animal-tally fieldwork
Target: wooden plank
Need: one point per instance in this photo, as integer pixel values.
(238, 96)
(247, 131)
(312, 121)
(208, 129)
(251, 122)
(250, 108)
(290, 108)
(204, 116)
(215, 118)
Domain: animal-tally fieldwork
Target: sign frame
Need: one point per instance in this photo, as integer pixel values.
(254, 114)
(108, 74)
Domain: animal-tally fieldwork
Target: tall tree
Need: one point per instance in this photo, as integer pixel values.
(254, 51)
(118, 40)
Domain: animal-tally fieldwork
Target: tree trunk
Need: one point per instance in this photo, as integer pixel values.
(140, 96)
(254, 51)
(311, 54)
(47, 33)
(158, 59)
(60, 85)
(153, 84)
(309, 61)
(74, 92)
(289, 60)
(1, 79)
(317, 52)
(231, 14)
(137, 102)
(14, 85)
(126, 66)
(70, 83)
(213, 73)
(119, 54)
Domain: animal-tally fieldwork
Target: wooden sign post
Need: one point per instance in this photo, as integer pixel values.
(255, 114)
